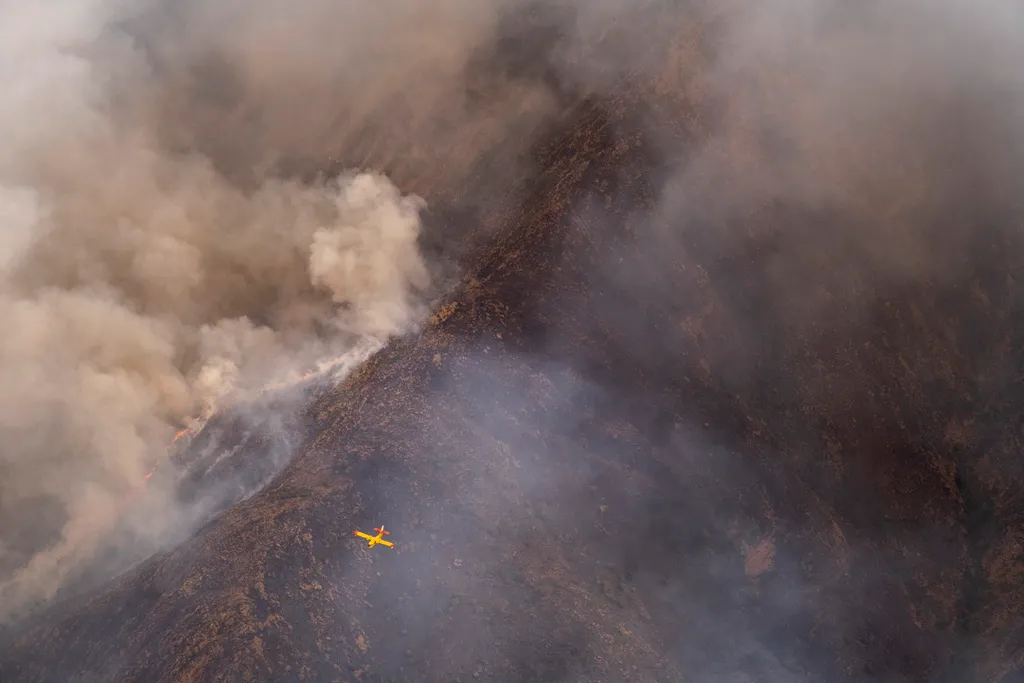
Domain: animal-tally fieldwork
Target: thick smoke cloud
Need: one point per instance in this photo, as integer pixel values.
(200, 200)
(157, 265)
(159, 258)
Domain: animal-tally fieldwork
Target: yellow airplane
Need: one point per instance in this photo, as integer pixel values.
(374, 540)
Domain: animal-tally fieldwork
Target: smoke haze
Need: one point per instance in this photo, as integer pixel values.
(169, 241)
(148, 279)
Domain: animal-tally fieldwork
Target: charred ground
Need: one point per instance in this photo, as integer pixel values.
(631, 444)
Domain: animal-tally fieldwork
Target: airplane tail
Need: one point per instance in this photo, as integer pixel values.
(381, 530)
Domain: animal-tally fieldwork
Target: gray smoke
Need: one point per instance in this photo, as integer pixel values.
(823, 158)
(169, 244)
(200, 200)
(155, 267)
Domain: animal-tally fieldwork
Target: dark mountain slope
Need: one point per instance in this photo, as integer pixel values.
(634, 444)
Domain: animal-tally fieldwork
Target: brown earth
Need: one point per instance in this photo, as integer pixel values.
(631, 446)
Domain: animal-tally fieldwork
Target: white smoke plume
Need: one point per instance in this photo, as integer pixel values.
(141, 288)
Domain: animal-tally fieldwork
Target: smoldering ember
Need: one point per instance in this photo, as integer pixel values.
(512, 340)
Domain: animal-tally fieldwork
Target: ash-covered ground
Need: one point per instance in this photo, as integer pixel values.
(717, 380)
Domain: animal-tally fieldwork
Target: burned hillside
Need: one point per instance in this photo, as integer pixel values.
(721, 385)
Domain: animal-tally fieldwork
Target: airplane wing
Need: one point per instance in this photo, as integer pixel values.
(387, 543)
(368, 537)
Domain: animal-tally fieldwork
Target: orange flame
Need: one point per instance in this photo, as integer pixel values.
(177, 436)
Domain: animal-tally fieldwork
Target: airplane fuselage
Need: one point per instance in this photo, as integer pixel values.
(375, 540)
